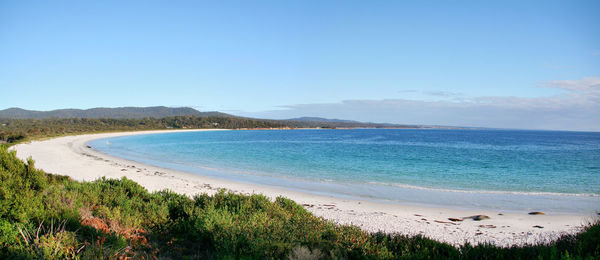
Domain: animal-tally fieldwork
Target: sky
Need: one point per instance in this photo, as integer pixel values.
(507, 64)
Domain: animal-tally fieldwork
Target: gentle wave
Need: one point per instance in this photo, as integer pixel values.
(457, 145)
(397, 185)
(400, 185)
(527, 193)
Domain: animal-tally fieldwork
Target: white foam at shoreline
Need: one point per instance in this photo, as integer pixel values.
(525, 193)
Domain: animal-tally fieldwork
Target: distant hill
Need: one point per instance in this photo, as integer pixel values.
(320, 119)
(163, 112)
(341, 123)
(102, 112)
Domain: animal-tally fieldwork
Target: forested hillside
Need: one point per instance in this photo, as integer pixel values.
(103, 112)
(12, 130)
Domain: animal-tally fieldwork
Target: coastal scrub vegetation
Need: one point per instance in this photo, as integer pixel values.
(13, 130)
(51, 216)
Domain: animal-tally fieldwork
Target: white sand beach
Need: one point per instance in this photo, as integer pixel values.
(72, 157)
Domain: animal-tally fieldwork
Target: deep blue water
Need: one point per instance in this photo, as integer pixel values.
(510, 170)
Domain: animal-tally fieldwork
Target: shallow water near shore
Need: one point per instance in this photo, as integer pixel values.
(506, 170)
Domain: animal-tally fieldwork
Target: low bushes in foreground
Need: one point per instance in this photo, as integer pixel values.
(51, 216)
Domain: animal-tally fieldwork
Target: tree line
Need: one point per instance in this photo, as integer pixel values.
(12, 130)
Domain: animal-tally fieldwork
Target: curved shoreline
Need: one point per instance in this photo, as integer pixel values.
(72, 157)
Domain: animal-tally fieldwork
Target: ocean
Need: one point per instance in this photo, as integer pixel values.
(507, 170)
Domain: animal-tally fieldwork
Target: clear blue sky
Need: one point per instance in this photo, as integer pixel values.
(315, 58)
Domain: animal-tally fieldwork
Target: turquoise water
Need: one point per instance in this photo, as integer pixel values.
(507, 170)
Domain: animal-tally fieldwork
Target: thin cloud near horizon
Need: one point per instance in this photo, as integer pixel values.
(577, 108)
